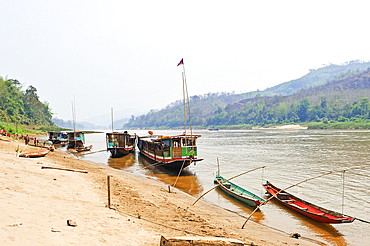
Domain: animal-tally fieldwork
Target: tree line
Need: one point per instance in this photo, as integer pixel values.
(22, 107)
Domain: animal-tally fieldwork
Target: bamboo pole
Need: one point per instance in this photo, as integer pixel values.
(183, 94)
(214, 187)
(112, 118)
(300, 182)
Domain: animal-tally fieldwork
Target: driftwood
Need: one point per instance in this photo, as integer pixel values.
(206, 241)
(64, 169)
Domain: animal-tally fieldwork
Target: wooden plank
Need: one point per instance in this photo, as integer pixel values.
(197, 241)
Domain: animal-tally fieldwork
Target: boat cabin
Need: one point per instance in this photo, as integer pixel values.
(169, 149)
(75, 139)
(76, 135)
(120, 139)
(58, 137)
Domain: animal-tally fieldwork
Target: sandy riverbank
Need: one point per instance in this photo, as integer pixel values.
(285, 127)
(36, 203)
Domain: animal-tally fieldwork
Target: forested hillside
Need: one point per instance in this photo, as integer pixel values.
(320, 76)
(343, 99)
(202, 106)
(22, 107)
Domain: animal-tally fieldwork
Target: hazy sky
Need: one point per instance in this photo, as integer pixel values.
(123, 54)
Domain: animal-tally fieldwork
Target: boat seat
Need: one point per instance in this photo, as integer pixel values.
(293, 205)
(288, 201)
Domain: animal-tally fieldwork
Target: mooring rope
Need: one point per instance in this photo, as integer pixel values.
(179, 173)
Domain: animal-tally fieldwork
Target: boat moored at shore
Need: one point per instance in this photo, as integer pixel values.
(76, 139)
(58, 137)
(120, 143)
(307, 209)
(238, 192)
(171, 151)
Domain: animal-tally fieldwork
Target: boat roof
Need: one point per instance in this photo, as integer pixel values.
(74, 131)
(118, 133)
(161, 137)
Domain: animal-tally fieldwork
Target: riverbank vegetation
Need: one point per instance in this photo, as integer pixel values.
(21, 110)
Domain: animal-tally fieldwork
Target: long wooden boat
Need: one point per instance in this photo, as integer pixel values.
(35, 154)
(120, 143)
(76, 139)
(58, 137)
(308, 209)
(171, 151)
(238, 192)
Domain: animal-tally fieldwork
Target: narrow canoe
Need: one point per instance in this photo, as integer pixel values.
(238, 192)
(40, 153)
(308, 209)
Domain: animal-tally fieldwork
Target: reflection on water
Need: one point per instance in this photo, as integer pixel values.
(186, 181)
(290, 157)
(326, 231)
(258, 216)
(123, 162)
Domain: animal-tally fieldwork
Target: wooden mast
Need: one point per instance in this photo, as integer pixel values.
(185, 91)
(112, 118)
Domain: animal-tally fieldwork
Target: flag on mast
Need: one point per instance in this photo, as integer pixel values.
(181, 62)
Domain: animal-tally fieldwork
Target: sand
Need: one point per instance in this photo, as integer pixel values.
(36, 203)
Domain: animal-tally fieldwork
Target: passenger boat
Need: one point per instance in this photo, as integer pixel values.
(120, 143)
(238, 192)
(35, 154)
(76, 139)
(303, 207)
(175, 152)
(172, 151)
(58, 137)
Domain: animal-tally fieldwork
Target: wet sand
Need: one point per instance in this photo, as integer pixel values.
(36, 203)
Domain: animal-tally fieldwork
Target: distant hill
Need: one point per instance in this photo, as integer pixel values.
(342, 99)
(271, 106)
(106, 119)
(202, 106)
(319, 77)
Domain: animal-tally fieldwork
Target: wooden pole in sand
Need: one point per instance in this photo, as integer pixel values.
(108, 181)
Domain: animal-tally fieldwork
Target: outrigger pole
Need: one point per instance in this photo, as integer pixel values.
(300, 182)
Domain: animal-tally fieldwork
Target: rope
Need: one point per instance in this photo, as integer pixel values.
(178, 174)
(343, 192)
(98, 151)
(155, 164)
(262, 180)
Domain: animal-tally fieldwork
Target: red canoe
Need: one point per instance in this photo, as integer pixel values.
(303, 207)
(40, 153)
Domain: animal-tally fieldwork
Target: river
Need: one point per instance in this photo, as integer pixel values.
(289, 157)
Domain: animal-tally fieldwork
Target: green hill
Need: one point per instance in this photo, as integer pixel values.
(202, 106)
(330, 92)
(319, 77)
(341, 100)
(20, 107)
